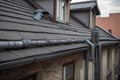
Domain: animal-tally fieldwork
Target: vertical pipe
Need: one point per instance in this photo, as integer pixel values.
(86, 64)
(95, 41)
(93, 70)
(99, 64)
(92, 57)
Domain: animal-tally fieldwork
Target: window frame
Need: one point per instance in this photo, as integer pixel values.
(64, 76)
(62, 18)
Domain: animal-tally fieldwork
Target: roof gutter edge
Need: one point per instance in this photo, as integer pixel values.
(39, 58)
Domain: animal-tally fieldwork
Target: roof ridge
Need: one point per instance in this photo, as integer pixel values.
(82, 2)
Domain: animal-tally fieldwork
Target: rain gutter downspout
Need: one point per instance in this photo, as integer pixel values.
(92, 58)
(86, 64)
(99, 59)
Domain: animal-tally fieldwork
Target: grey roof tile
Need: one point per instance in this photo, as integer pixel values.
(30, 52)
(8, 35)
(104, 34)
(7, 56)
(34, 52)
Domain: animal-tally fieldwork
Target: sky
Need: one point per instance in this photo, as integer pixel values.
(106, 6)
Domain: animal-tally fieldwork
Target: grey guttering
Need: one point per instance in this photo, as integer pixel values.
(11, 45)
(106, 42)
(36, 43)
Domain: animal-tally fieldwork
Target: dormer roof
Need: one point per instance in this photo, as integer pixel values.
(85, 5)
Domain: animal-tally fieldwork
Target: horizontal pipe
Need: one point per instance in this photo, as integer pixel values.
(35, 43)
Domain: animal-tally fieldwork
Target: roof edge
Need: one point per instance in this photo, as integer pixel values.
(81, 2)
(93, 7)
(39, 58)
(106, 32)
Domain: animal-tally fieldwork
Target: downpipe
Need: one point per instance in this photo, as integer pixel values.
(86, 64)
(99, 55)
(92, 58)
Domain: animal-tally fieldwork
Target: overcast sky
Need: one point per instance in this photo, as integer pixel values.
(106, 6)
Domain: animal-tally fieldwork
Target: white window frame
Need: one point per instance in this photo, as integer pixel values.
(65, 72)
(61, 10)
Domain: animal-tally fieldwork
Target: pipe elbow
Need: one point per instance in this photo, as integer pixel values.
(92, 58)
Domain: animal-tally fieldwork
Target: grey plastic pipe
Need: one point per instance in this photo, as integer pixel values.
(92, 50)
(35, 43)
(92, 56)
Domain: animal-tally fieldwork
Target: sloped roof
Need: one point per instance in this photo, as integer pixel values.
(85, 5)
(17, 23)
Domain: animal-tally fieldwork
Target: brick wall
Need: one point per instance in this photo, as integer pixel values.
(47, 70)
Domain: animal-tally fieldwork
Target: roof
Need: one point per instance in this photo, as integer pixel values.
(110, 23)
(85, 5)
(17, 23)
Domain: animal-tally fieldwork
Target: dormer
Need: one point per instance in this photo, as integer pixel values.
(58, 9)
(85, 13)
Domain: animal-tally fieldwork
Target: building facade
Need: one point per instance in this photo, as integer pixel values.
(59, 41)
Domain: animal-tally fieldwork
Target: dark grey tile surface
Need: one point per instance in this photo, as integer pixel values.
(16, 22)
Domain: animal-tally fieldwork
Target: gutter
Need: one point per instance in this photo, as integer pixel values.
(20, 44)
(35, 43)
(109, 40)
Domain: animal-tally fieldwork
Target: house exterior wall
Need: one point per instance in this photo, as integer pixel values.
(79, 69)
(104, 66)
(90, 71)
(46, 70)
(92, 19)
(110, 23)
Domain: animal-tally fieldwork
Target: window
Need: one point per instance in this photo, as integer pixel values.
(62, 10)
(68, 72)
(30, 77)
